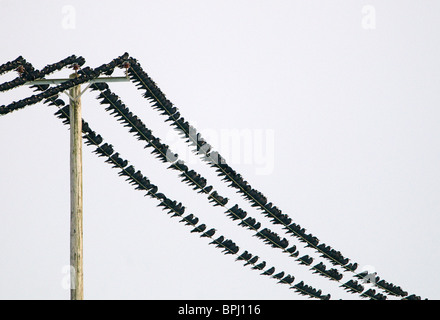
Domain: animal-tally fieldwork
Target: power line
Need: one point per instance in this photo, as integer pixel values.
(213, 159)
(119, 110)
(142, 183)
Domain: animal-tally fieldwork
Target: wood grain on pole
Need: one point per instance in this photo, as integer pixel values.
(76, 195)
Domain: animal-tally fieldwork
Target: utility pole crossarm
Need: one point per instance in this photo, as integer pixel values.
(61, 80)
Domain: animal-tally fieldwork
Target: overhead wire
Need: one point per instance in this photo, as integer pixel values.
(213, 158)
(135, 125)
(257, 199)
(135, 177)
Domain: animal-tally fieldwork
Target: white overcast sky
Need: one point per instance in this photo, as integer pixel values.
(340, 102)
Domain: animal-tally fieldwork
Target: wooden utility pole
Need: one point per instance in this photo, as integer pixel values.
(76, 195)
(76, 182)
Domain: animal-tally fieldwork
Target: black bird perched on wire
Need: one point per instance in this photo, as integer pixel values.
(279, 275)
(199, 228)
(269, 272)
(153, 190)
(245, 256)
(209, 233)
(161, 196)
(218, 240)
(191, 220)
(306, 260)
(287, 279)
(260, 266)
(253, 260)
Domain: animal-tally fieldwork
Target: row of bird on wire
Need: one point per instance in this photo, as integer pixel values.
(192, 178)
(162, 151)
(177, 209)
(117, 108)
(52, 93)
(112, 66)
(158, 101)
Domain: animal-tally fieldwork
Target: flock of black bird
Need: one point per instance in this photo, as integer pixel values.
(52, 93)
(272, 238)
(158, 101)
(140, 182)
(304, 289)
(117, 108)
(332, 274)
(353, 286)
(122, 113)
(234, 179)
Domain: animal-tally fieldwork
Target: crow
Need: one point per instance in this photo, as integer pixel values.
(307, 260)
(269, 272)
(153, 190)
(190, 220)
(244, 256)
(209, 233)
(260, 266)
(252, 261)
(287, 279)
(199, 228)
(218, 240)
(279, 275)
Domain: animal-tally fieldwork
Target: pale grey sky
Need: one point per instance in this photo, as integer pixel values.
(347, 90)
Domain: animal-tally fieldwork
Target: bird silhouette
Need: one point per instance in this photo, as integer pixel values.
(269, 272)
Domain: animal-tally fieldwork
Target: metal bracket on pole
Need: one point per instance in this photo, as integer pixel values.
(76, 98)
